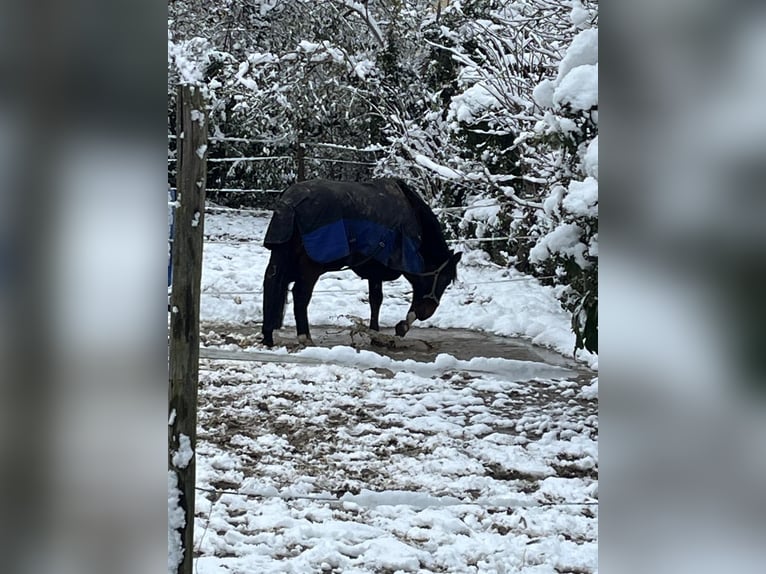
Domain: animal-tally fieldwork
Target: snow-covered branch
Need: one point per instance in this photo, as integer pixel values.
(363, 11)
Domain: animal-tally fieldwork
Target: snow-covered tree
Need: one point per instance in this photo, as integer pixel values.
(487, 105)
(569, 246)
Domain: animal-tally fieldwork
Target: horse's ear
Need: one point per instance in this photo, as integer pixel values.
(456, 257)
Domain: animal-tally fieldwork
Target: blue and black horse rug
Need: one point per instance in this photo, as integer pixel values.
(380, 229)
(375, 220)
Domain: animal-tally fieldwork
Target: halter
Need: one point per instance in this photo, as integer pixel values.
(435, 273)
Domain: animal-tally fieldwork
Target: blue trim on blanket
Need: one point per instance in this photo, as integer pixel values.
(341, 238)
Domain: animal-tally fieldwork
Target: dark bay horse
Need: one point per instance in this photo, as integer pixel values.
(381, 230)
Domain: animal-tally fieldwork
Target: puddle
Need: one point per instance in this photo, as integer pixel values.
(420, 344)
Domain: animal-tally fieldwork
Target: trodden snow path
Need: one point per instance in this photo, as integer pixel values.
(382, 466)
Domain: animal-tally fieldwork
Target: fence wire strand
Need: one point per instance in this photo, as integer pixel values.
(339, 501)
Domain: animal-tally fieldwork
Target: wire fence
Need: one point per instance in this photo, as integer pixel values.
(448, 241)
(341, 501)
(260, 291)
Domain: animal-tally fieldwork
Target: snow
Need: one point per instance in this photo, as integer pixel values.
(578, 88)
(176, 520)
(365, 68)
(472, 104)
(577, 81)
(249, 83)
(188, 58)
(579, 16)
(590, 159)
(309, 47)
(321, 52)
(184, 453)
(564, 239)
(364, 463)
(442, 170)
(582, 51)
(590, 392)
(582, 198)
(553, 201)
(258, 58)
(485, 297)
(543, 94)
(484, 213)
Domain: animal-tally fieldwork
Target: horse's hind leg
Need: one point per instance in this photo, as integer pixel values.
(302, 290)
(376, 300)
(275, 283)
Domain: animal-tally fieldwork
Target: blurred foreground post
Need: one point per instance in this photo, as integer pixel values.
(184, 318)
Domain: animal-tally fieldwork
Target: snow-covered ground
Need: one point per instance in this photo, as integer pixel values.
(366, 464)
(485, 297)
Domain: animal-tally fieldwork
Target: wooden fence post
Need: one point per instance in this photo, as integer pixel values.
(183, 361)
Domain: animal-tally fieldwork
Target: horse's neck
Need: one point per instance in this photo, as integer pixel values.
(434, 247)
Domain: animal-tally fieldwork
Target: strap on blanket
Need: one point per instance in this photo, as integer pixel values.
(381, 245)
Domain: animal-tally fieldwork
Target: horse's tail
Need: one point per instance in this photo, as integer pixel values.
(275, 283)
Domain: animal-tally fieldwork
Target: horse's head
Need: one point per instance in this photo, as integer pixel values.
(428, 288)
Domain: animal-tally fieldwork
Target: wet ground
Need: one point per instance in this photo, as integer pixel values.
(420, 344)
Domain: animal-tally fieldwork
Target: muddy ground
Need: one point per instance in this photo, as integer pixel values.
(420, 344)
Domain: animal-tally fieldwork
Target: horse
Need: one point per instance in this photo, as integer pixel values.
(381, 230)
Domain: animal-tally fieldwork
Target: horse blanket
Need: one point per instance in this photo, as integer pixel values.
(375, 220)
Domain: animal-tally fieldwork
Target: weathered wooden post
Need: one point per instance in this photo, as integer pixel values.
(183, 367)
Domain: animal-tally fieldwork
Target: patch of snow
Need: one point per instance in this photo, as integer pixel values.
(442, 170)
(553, 201)
(579, 16)
(473, 103)
(582, 198)
(249, 83)
(564, 239)
(590, 159)
(369, 499)
(258, 58)
(176, 521)
(578, 88)
(589, 392)
(184, 453)
(543, 94)
(582, 51)
(365, 68)
(308, 47)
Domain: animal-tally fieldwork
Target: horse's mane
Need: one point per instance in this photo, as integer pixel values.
(433, 237)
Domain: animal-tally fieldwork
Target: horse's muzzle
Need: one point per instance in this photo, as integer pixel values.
(425, 308)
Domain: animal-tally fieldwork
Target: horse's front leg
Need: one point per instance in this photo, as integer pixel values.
(302, 291)
(376, 300)
(403, 326)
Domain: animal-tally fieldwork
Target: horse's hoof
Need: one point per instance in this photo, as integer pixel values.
(305, 340)
(401, 328)
(268, 340)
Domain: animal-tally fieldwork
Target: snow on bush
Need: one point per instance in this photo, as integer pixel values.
(472, 104)
(564, 240)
